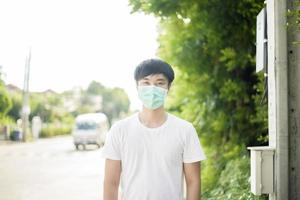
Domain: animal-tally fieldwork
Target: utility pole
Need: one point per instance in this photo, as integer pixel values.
(275, 169)
(293, 35)
(26, 107)
(278, 96)
(284, 98)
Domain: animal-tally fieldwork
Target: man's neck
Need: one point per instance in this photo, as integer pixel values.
(153, 118)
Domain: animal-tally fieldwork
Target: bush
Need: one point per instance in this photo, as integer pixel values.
(50, 130)
(234, 182)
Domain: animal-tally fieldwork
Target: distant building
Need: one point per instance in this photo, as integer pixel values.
(12, 88)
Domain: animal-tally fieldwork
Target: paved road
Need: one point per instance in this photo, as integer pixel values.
(50, 169)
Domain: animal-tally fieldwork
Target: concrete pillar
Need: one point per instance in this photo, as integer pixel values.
(294, 104)
(278, 96)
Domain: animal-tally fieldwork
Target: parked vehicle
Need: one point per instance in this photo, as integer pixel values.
(90, 128)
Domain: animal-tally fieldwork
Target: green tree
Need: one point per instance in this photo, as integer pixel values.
(211, 44)
(95, 88)
(5, 102)
(115, 101)
(16, 107)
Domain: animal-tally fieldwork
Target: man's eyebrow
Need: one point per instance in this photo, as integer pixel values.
(161, 79)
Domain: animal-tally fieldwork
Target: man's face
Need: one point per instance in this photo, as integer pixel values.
(158, 80)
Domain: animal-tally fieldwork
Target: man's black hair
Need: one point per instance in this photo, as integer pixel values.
(154, 66)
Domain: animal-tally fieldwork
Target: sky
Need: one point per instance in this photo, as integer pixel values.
(74, 42)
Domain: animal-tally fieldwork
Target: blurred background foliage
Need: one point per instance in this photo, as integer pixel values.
(58, 110)
(211, 44)
(5, 102)
(293, 18)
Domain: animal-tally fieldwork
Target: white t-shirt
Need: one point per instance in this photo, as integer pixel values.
(152, 158)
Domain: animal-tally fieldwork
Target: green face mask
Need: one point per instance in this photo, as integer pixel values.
(152, 96)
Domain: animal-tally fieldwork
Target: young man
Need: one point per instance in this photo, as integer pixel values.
(152, 150)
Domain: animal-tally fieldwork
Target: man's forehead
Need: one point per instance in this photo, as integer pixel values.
(155, 76)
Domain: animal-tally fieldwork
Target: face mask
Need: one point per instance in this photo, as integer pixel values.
(152, 96)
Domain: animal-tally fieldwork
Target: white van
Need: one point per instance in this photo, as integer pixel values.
(90, 128)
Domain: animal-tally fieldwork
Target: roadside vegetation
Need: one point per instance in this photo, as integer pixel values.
(57, 111)
(211, 44)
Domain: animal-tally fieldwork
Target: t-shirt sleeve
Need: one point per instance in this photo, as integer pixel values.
(111, 149)
(193, 151)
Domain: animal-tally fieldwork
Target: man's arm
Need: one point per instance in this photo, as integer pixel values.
(192, 172)
(111, 179)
